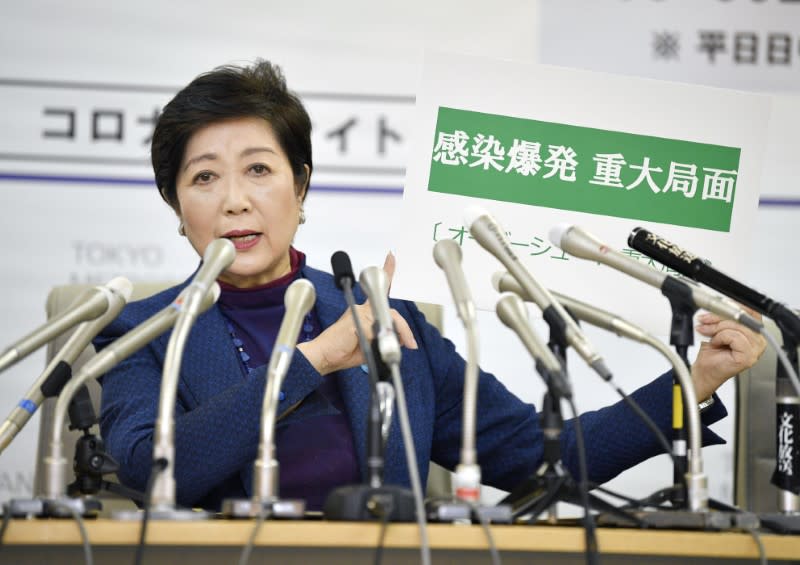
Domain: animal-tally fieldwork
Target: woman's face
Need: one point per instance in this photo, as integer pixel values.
(236, 182)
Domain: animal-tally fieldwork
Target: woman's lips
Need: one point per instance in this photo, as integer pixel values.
(244, 241)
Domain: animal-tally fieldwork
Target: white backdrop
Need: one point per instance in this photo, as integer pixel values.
(83, 208)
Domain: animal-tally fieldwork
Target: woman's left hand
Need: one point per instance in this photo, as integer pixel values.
(731, 349)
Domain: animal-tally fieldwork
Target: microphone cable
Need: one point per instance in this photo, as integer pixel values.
(762, 554)
(385, 510)
(592, 556)
(411, 462)
(158, 465)
(87, 548)
(6, 520)
(263, 514)
(783, 358)
(484, 523)
(648, 421)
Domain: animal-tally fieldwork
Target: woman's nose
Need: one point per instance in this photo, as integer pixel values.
(237, 199)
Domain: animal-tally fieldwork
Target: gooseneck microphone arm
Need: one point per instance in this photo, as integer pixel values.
(55, 462)
(89, 305)
(447, 255)
(493, 239)
(299, 299)
(374, 282)
(580, 243)
(219, 254)
(59, 370)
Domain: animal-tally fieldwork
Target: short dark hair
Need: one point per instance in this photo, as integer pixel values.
(231, 92)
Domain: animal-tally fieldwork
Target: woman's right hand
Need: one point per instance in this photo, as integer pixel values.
(337, 347)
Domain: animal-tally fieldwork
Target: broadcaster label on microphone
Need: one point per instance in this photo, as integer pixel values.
(584, 169)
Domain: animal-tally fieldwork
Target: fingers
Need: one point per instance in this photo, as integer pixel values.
(388, 266)
(741, 342)
(404, 333)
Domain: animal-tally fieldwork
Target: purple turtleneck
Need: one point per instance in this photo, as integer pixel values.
(316, 455)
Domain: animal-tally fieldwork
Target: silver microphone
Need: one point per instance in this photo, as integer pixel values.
(512, 312)
(447, 255)
(87, 306)
(492, 238)
(299, 299)
(696, 479)
(59, 370)
(504, 282)
(581, 243)
(375, 285)
(217, 257)
(119, 350)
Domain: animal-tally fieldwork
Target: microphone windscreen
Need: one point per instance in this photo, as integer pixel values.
(497, 278)
(557, 233)
(472, 213)
(121, 286)
(342, 269)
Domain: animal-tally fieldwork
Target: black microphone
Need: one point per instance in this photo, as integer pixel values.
(701, 271)
(345, 279)
(370, 500)
(342, 270)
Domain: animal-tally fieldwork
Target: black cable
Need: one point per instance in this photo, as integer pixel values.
(87, 549)
(6, 520)
(386, 514)
(158, 465)
(265, 511)
(493, 552)
(660, 437)
(638, 503)
(592, 557)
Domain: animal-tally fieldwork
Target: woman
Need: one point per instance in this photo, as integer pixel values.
(232, 157)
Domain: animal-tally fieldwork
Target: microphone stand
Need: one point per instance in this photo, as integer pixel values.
(552, 483)
(681, 337)
(371, 500)
(787, 416)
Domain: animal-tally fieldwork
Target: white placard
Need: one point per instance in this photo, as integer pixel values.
(578, 98)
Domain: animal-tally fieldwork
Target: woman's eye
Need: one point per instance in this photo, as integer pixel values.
(204, 177)
(259, 169)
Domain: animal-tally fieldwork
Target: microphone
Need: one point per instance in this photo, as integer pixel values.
(299, 299)
(342, 270)
(447, 255)
(504, 282)
(373, 281)
(368, 500)
(217, 257)
(699, 270)
(493, 239)
(580, 243)
(514, 315)
(88, 305)
(382, 393)
(116, 352)
(59, 370)
(695, 477)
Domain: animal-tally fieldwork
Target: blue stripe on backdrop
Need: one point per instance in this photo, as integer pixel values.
(765, 201)
(149, 183)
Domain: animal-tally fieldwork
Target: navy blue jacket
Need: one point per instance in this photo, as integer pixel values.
(218, 409)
